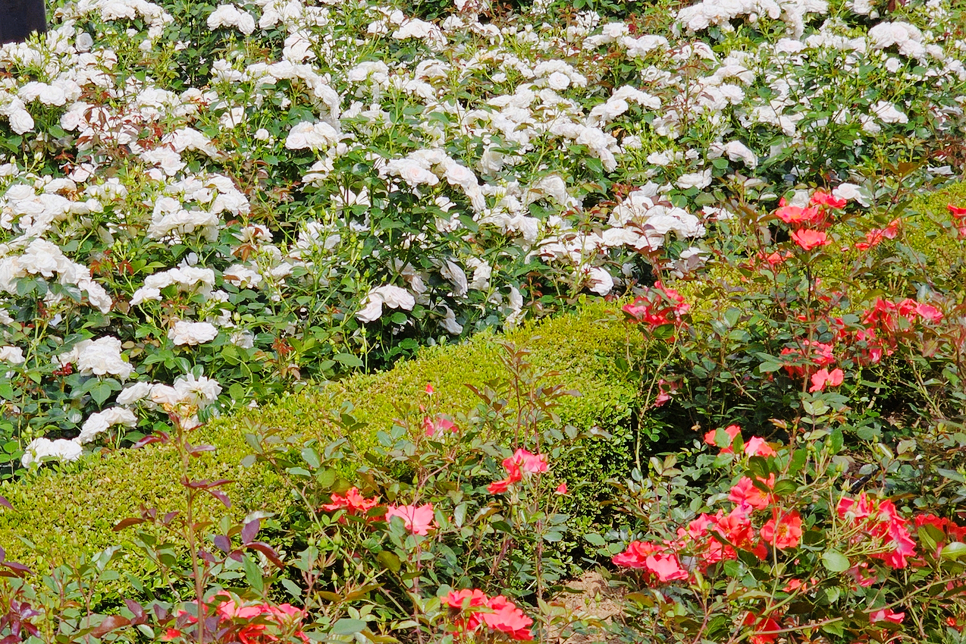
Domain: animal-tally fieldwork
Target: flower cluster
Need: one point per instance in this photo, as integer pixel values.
(880, 520)
(806, 357)
(522, 462)
(659, 561)
(710, 539)
(353, 503)
(418, 520)
(754, 446)
(472, 609)
(657, 307)
(876, 236)
(808, 221)
(247, 624)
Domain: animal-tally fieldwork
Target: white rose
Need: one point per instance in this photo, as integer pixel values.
(133, 393)
(101, 421)
(415, 175)
(20, 121)
(558, 81)
(192, 333)
(13, 355)
(392, 296)
(694, 180)
(102, 357)
(42, 448)
(200, 391)
(600, 281)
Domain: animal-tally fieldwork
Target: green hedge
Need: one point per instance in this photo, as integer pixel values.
(69, 511)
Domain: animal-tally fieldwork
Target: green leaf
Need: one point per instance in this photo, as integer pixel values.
(951, 474)
(954, 550)
(291, 588)
(835, 561)
(326, 478)
(348, 360)
(785, 487)
(389, 560)
(459, 515)
(347, 626)
(253, 574)
(101, 392)
(311, 457)
(836, 441)
(834, 628)
(595, 539)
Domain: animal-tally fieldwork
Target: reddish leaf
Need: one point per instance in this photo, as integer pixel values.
(160, 437)
(127, 523)
(250, 530)
(221, 496)
(266, 550)
(136, 609)
(5, 503)
(161, 612)
(223, 543)
(110, 623)
(18, 568)
(169, 517)
(198, 450)
(3, 554)
(204, 484)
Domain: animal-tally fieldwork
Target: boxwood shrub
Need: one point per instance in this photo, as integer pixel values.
(63, 512)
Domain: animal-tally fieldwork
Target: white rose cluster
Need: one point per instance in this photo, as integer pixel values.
(228, 15)
(312, 136)
(906, 37)
(642, 221)
(101, 357)
(189, 279)
(720, 13)
(45, 259)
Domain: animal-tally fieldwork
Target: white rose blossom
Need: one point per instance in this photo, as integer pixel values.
(99, 422)
(392, 296)
(192, 333)
(41, 449)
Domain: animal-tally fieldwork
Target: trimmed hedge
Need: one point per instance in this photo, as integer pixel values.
(70, 511)
(945, 253)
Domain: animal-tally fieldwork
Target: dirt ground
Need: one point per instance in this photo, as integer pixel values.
(592, 601)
